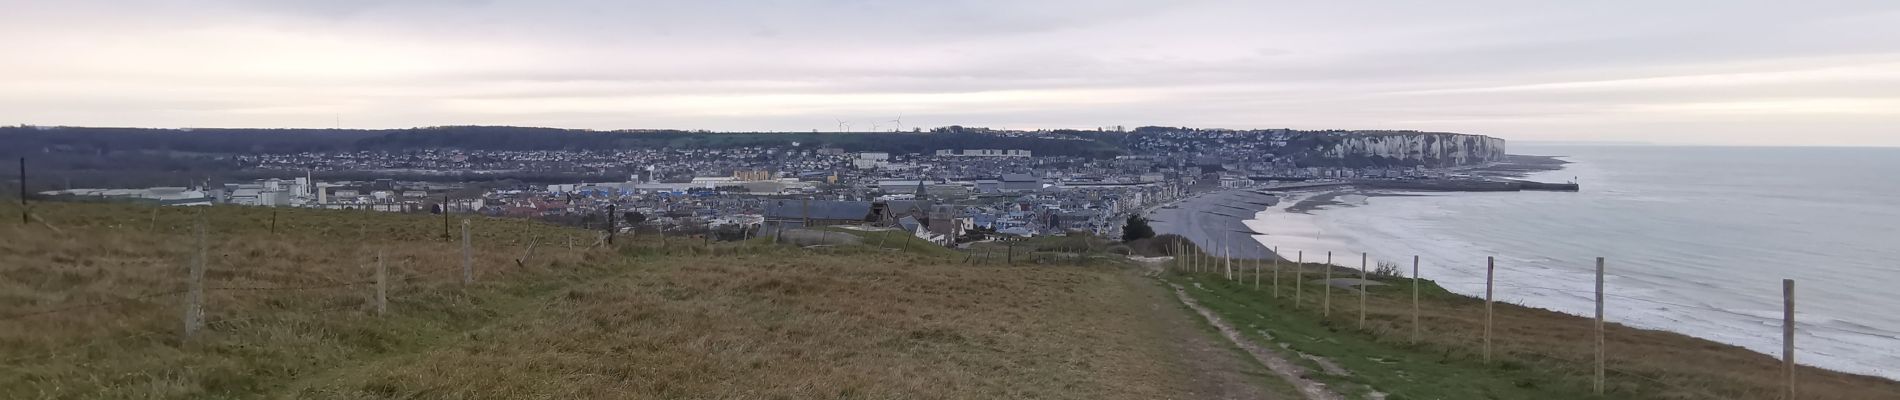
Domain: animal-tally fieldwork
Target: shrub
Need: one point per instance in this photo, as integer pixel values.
(1137, 229)
(1388, 269)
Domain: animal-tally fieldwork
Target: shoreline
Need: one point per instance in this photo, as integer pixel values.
(1218, 219)
(1293, 223)
(1265, 239)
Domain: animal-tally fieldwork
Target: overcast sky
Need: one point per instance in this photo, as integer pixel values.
(1709, 72)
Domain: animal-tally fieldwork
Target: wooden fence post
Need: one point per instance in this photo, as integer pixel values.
(1362, 290)
(195, 293)
(1174, 257)
(527, 255)
(1599, 328)
(1187, 260)
(1276, 272)
(382, 285)
(1257, 267)
(1227, 256)
(1299, 280)
(23, 213)
(468, 256)
(1787, 337)
(1415, 312)
(1326, 302)
(1490, 269)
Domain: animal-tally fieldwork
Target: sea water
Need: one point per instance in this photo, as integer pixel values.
(1697, 241)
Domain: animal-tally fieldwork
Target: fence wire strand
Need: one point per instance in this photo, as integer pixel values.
(90, 305)
(1619, 371)
(290, 288)
(55, 352)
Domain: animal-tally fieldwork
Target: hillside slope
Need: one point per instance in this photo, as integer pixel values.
(94, 302)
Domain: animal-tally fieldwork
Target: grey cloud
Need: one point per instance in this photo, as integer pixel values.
(1220, 63)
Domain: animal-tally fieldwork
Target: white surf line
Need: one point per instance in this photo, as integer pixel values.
(1286, 369)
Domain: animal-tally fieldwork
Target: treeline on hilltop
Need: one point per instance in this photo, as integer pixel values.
(21, 140)
(131, 157)
(137, 157)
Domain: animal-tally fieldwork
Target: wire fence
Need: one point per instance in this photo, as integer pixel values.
(1400, 302)
(1007, 252)
(264, 302)
(85, 306)
(291, 299)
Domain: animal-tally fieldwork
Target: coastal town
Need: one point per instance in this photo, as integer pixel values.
(945, 196)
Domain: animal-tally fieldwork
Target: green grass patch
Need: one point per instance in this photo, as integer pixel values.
(1401, 370)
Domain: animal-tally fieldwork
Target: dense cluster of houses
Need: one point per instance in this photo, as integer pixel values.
(942, 195)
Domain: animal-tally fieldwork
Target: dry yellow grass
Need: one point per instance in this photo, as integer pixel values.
(641, 320)
(761, 326)
(95, 310)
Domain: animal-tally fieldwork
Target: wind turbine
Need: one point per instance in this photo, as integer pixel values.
(874, 127)
(900, 123)
(841, 125)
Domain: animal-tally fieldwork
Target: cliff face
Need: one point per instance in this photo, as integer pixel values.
(1438, 149)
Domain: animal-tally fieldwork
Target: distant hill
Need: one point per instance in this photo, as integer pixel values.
(131, 157)
(23, 139)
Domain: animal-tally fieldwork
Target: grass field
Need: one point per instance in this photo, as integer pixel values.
(1537, 354)
(93, 308)
(94, 311)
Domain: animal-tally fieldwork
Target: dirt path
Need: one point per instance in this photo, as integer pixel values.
(1288, 376)
(1215, 369)
(1212, 368)
(1281, 367)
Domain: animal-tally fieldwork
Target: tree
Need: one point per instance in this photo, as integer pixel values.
(1137, 229)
